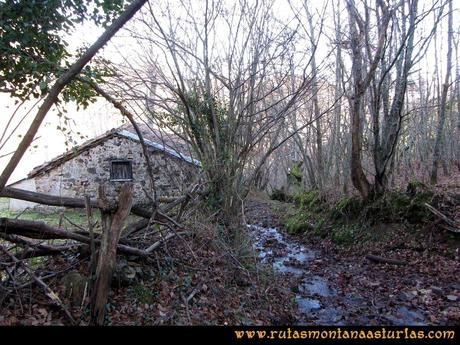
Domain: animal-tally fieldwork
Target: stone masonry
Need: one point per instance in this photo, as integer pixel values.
(82, 175)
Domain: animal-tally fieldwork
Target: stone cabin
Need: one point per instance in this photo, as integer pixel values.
(114, 158)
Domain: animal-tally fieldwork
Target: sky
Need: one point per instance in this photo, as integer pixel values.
(50, 142)
(98, 117)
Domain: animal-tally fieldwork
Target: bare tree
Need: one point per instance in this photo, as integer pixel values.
(362, 78)
(225, 96)
(443, 101)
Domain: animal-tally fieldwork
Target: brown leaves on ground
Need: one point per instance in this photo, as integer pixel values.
(371, 293)
(177, 287)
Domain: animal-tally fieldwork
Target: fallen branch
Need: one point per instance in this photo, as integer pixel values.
(194, 292)
(161, 213)
(159, 243)
(40, 230)
(35, 249)
(50, 293)
(53, 200)
(40, 198)
(380, 259)
(135, 227)
(451, 226)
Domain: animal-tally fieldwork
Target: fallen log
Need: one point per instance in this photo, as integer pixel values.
(36, 249)
(45, 199)
(132, 228)
(40, 230)
(160, 215)
(159, 243)
(53, 200)
(380, 259)
(450, 224)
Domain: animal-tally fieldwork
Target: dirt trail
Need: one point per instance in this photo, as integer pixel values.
(335, 289)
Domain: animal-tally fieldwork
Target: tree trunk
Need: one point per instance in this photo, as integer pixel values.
(53, 200)
(362, 77)
(108, 252)
(442, 107)
(316, 109)
(61, 83)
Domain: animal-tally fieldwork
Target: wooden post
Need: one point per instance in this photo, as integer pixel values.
(107, 253)
(92, 262)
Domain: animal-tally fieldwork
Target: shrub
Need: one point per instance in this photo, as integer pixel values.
(320, 229)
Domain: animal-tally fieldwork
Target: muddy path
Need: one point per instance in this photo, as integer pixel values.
(334, 289)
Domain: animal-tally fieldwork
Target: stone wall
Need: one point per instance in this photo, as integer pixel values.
(83, 174)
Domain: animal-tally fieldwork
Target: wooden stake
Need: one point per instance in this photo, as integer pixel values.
(108, 251)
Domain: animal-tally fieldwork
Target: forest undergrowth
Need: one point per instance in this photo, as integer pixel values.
(195, 279)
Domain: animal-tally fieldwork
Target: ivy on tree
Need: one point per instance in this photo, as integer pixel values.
(33, 52)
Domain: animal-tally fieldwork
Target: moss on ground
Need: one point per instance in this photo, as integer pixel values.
(308, 199)
(350, 220)
(143, 294)
(298, 223)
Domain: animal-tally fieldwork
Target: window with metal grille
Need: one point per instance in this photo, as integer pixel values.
(121, 170)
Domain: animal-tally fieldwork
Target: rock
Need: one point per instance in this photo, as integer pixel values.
(307, 305)
(424, 291)
(404, 316)
(406, 296)
(452, 298)
(75, 285)
(124, 274)
(455, 286)
(354, 300)
(437, 290)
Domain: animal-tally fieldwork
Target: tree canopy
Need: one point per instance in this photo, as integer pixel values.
(33, 47)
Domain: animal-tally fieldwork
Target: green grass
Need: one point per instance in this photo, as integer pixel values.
(143, 294)
(69, 216)
(4, 204)
(75, 216)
